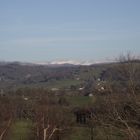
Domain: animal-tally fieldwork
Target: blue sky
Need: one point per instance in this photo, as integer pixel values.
(46, 30)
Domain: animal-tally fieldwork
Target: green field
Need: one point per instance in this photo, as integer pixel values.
(20, 130)
(60, 84)
(65, 83)
(80, 101)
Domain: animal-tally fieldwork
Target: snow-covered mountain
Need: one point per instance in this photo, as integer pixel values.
(65, 62)
(57, 63)
(73, 62)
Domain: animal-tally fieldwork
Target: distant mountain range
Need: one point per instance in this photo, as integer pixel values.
(62, 74)
(46, 74)
(56, 63)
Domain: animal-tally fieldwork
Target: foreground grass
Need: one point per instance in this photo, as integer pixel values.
(99, 133)
(20, 130)
(79, 133)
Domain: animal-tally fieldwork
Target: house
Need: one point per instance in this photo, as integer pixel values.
(77, 78)
(2, 92)
(90, 95)
(82, 88)
(83, 115)
(54, 89)
(25, 98)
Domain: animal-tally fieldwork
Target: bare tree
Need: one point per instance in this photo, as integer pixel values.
(116, 111)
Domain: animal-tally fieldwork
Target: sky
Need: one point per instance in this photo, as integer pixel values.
(82, 30)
